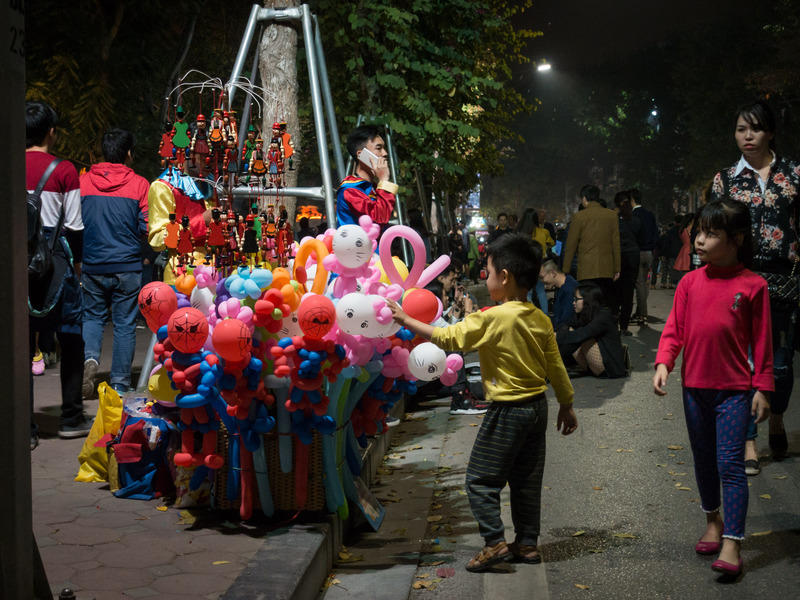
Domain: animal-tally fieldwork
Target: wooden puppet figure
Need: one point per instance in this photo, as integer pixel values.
(166, 149)
(185, 240)
(249, 245)
(200, 141)
(274, 162)
(258, 167)
(285, 241)
(231, 167)
(287, 145)
(172, 233)
(180, 138)
(248, 148)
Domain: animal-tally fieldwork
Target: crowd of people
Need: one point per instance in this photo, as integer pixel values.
(733, 266)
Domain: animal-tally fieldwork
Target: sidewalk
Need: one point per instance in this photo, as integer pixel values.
(107, 548)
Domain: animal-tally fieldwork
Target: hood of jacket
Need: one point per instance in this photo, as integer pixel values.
(110, 177)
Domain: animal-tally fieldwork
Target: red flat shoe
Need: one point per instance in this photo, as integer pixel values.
(706, 548)
(727, 568)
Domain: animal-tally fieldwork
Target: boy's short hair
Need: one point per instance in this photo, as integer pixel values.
(359, 137)
(116, 145)
(40, 118)
(519, 255)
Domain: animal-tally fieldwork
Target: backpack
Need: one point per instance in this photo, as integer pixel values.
(45, 271)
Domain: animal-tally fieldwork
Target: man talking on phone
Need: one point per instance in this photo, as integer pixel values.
(369, 191)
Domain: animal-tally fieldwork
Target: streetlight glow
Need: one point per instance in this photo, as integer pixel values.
(544, 67)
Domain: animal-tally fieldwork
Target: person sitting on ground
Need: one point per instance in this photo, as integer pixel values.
(593, 340)
(457, 302)
(305, 230)
(518, 354)
(564, 285)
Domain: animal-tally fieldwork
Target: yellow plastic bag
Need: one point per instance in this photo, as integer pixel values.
(94, 461)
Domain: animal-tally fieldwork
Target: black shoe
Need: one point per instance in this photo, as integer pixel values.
(69, 432)
(34, 441)
(466, 404)
(779, 445)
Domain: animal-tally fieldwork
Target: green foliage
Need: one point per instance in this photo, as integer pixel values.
(436, 72)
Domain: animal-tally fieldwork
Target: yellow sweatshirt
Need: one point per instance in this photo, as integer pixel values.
(517, 350)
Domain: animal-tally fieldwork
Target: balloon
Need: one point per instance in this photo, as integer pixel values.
(401, 267)
(422, 305)
(188, 330)
(185, 283)
(355, 314)
(202, 298)
(316, 316)
(291, 326)
(352, 246)
(320, 274)
(160, 388)
(232, 339)
(157, 301)
(427, 361)
(419, 276)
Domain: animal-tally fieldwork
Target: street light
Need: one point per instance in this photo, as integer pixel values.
(545, 66)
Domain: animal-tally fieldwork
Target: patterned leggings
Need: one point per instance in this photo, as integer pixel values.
(717, 424)
(509, 448)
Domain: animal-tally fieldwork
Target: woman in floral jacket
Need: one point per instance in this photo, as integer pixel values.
(770, 185)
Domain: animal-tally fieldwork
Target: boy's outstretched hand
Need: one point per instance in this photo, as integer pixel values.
(566, 422)
(401, 318)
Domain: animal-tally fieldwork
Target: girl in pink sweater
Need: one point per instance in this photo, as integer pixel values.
(720, 310)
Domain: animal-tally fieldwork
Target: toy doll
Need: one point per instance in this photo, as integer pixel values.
(185, 239)
(180, 138)
(166, 149)
(172, 233)
(287, 145)
(257, 166)
(274, 160)
(199, 145)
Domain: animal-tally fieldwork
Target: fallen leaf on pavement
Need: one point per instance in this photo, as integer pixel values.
(780, 477)
(423, 576)
(760, 533)
(221, 562)
(685, 489)
(473, 424)
(765, 496)
(577, 533)
(434, 518)
(161, 508)
(445, 572)
(597, 487)
(583, 587)
(432, 564)
(420, 585)
(675, 447)
(401, 531)
(595, 550)
(623, 450)
(661, 465)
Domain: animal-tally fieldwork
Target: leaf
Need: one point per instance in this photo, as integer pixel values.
(685, 489)
(765, 496)
(221, 562)
(350, 558)
(780, 477)
(162, 508)
(761, 533)
(623, 450)
(661, 465)
(400, 531)
(434, 518)
(432, 564)
(597, 487)
(675, 447)
(445, 572)
(596, 550)
(420, 585)
(473, 424)
(581, 586)
(577, 533)
(423, 576)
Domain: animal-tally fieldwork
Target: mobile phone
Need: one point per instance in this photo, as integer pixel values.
(368, 158)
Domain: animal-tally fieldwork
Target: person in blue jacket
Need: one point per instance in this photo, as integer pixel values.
(114, 207)
(564, 285)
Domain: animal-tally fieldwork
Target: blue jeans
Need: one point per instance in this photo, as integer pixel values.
(717, 424)
(118, 292)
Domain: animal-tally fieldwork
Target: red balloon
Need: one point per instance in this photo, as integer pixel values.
(188, 330)
(232, 339)
(157, 301)
(316, 316)
(421, 304)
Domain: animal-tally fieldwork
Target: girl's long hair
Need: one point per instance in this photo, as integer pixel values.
(592, 302)
(733, 218)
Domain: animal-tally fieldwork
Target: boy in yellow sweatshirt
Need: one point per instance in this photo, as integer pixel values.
(518, 354)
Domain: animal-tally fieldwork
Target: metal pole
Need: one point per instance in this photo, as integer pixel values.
(144, 376)
(302, 192)
(319, 121)
(244, 48)
(326, 96)
(398, 203)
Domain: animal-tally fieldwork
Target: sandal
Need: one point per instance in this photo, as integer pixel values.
(488, 556)
(525, 554)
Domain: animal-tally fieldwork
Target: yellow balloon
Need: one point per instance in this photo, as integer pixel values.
(401, 267)
(160, 388)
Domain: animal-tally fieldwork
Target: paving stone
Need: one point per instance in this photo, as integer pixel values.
(129, 557)
(163, 570)
(142, 592)
(86, 565)
(60, 572)
(192, 584)
(176, 542)
(203, 562)
(110, 579)
(111, 520)
(66, 554)
(70, 533)
(132, 529)
(229, 543)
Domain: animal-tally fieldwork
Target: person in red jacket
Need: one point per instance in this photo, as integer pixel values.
(114, 206)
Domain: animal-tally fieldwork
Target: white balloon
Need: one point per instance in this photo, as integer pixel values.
(291, 327)
(202, 299)
(355, 314)
(352, 246)
(427, 361)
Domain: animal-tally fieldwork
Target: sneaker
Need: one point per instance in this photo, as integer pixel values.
(37, 366)
(89, 373)
(120, 389)
(69, 432)
(34, 441)
(50, 359)
(752, 468)
(466, 404)
(392, 421)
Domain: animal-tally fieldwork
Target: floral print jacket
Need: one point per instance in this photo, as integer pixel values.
(773, 212)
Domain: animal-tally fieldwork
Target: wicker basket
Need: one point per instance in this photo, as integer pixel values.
(282, 484)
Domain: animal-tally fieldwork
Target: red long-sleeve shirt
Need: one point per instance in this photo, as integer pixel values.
(718, 314)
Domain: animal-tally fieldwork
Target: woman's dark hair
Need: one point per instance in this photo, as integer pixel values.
(687, 220)
(592, 302)
(760, 117)
(622, 200)
(734, 219)
(436, 288)
(519, 255)
(529, 222)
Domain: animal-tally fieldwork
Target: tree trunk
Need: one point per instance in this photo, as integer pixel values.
(278, 68)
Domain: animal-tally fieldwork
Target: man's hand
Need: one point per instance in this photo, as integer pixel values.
(760, 408)
(566, 421)
(381, 169)
(660, 380)
(616, 276)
